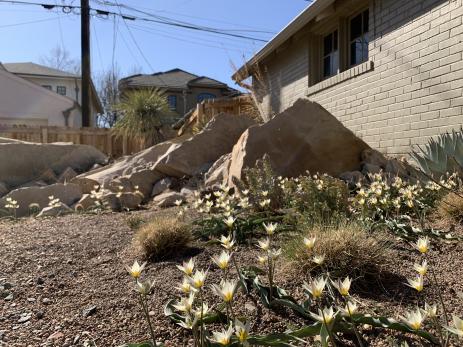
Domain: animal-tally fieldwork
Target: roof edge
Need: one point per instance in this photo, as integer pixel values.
(285, 34)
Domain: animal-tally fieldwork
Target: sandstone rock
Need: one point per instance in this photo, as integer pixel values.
(3, 189)
(218, 173)
(161, 186)
(48, 176)
(372, 156)
(199, 152)
(305, 137)
(66, 193)
(167, 199)
(144, 159)
(86, 202)
(186, 193)
(67, 175)
(371, 169)
(27, 161)
(144, 180)
(111, 201)
(130, 201)
(118, 185)
(397, 168)
(34, 184)
(86, 184)
(352, 177)
(54, 211)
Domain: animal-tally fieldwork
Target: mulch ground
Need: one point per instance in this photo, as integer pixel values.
(69, 284)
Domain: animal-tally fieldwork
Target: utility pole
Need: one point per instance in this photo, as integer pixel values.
(85, 60)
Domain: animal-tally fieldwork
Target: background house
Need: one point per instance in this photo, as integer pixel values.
(31, 106)
(182, 89)
(390, 70)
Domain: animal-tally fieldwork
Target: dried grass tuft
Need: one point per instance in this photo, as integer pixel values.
(450, 208)
(163, 237)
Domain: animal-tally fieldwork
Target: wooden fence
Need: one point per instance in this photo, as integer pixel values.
(100, 138)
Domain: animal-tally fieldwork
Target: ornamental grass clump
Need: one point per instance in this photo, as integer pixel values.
(450, 208)
(343, 249)
(163, 237)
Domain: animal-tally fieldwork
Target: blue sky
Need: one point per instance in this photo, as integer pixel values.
(163, 47)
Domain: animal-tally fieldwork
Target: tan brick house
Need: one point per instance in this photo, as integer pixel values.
(390, 70)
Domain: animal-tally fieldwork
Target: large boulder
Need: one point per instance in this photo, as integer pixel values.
(126, 165)
(27, 161)
(197, 154)
(305, 137)
(3, 189)
(168, 199)
(66, 193)
(218, 173)
(55, 210)
(86, 184)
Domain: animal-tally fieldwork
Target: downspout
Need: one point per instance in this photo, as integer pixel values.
(67, 113)
(76, 89)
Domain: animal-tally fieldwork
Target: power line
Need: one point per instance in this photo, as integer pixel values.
(29, 22)
(165, 21)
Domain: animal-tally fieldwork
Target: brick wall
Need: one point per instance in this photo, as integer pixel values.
(410, 89)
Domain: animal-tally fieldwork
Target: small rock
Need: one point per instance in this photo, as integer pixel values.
(56, 335)
(76, 339)
(46, 301)
(31, 299)
(39, 314)
(25, 317)
(7, 285)
(89, 311)
(40, 281)
(9, 297)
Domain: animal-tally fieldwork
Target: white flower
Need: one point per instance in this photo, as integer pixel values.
(422, 268)
(319, 259)
(343, 286)
(422, 245)
(222, 260)
(270, 228)
(187, 267)
(316, 287)
(309, 242)
(430, 310)
(242, 331)
(245, 192)
(197, 280)
(457, 328)
(222, 338)
(178, 202)
(229, 221)
(185, 304)
(417, 284)
(185, 287)
(264, 193)
(325, 316)
(274, 253)
(350, 309)
(262, 259)
(264, 244)
(227, 242)
(145, 287)
(226, 290)
(413, 319)
(201, 312)
(136, 269)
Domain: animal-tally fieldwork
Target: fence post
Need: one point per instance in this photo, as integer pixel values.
(124, 145)
(109, 144)
(44, 134)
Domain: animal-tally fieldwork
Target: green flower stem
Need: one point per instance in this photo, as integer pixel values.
(330, 334)
(147, 316)
(201, 335)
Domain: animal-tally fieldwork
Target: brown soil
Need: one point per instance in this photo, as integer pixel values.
(61, 267)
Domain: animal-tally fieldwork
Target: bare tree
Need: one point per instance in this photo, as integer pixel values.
(60, 58)
(108, 91)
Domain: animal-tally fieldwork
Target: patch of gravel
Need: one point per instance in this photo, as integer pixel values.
(67, 281)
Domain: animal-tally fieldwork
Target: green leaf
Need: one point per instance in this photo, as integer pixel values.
(324, 336)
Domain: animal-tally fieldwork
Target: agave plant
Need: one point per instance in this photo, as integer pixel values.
(442, 155)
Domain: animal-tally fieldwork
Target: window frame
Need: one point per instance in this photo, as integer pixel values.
(363, 33)
(47, 86)
(172, 106)
(210, 96)
(63, 88)
(335, 52)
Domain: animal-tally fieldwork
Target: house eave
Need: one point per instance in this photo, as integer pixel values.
(285, 34)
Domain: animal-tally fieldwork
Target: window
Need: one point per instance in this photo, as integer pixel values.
(330, 54)
(205, 96)
(172, 100)
(46, 86)
(61, 90)
(359, 38)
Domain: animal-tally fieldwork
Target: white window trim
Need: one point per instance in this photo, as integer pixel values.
(348, 74)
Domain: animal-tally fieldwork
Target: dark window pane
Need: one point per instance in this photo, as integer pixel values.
(365, 21)
(365, 50)
(356, 27)
(328, 44)
(335, 40)
(327, 66)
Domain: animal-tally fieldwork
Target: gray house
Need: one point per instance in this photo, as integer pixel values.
(183, 89)
(390, 70)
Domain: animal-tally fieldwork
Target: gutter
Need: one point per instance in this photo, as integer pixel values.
(311, 12)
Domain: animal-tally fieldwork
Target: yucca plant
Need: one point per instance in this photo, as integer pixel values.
(442, 155)
(142, 115)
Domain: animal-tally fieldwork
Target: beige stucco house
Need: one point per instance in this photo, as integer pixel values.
(390, 70)
(36, 95)
(184, 90)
